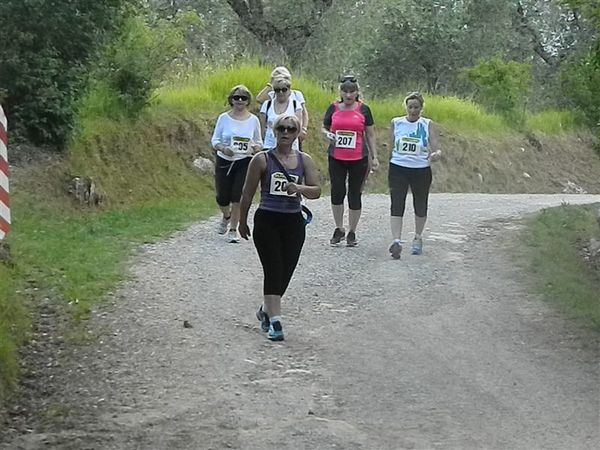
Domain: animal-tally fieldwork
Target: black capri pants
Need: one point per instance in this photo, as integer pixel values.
(229, 180)
(356, 172)
(419, 180)
(278, 238)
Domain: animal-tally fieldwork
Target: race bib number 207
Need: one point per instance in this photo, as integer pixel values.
(345, 139)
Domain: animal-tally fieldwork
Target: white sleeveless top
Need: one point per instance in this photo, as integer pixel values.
(411, 143)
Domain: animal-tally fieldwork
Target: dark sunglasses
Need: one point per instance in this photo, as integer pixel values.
(278, 90)
(348, 78)
(282, 128)
(240, 98)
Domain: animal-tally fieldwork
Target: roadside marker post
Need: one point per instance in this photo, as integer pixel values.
(4, 172)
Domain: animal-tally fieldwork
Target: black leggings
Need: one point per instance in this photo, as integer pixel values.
(278, 238)
(419, 180)
(356, 172)
(229, 180)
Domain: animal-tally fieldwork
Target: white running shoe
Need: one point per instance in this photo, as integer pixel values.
(232, 237)
(222, 226)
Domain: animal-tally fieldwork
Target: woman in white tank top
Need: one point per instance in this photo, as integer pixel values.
(415, 145)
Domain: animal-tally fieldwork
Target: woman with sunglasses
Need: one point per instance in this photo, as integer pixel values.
(279, 228)
(415, 144)
(267, 94)
(348, 126)
(237, 136)
(282, 104)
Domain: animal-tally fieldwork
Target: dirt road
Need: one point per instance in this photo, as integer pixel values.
(444, 350)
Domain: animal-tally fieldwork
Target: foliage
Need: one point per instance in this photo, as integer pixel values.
(46, 49)
(134, 63)
(502, 86)
(553, 242)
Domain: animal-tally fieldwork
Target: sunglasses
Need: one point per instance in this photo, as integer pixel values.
(240, 98)
(348, 78)
(282, 128)
(278, 90)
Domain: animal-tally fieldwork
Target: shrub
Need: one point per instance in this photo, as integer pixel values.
(502, 86)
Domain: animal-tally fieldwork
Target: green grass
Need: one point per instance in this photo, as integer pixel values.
(553, 242)
(83, 255)
(14, 328)
(551, 122)
(207, 92)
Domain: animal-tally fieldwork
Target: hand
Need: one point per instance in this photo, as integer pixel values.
(256, 147)
(302, 135)
(435, 156)
(292, 188)
(329, 135)
(375, 164)
(243, 230)
(227, 151)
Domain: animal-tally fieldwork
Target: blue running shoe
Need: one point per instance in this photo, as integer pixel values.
(417, 246)
(396, 249)
(263, 318)
(275, 331)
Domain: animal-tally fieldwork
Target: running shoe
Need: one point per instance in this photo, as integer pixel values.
(351, 239)
(396, 249)
(338, 235)
(417, 246)
(275, 331)
(222, 227)
(232, 237)
(263, 318)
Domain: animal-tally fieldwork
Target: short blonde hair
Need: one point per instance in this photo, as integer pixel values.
(280, 82)
(415, 96)
(285, 118)
(281, 72)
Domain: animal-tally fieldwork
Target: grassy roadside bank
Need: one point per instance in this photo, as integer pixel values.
(75, 255)
(556, 252)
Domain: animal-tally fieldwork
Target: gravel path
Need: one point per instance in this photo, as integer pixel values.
(443, 350)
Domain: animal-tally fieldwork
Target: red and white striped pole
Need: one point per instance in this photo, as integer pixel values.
(4, 203)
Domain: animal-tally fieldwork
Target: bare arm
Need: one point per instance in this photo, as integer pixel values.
(256, 168)
(263, 95)
(435, 152)
(370, 135)
(310, 189)
(263, 124)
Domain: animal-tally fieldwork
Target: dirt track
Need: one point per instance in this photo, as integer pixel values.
(443, 350)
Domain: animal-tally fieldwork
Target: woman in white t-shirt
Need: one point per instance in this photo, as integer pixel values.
(236, 138)
(267, 94)
(415, 144)
(282, 104)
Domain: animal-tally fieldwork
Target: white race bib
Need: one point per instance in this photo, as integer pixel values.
(279, 182)
(240, 145)
(345, 139)
(407, 145)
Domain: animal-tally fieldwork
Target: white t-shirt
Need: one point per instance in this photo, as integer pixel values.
(271, 116)
(297, 95)
(411, 142)
(237, 134)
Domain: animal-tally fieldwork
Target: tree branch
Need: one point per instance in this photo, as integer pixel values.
(534, 38)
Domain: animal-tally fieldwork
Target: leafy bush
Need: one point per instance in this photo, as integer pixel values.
(502, 86)
(133, 65)
(46, 49)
